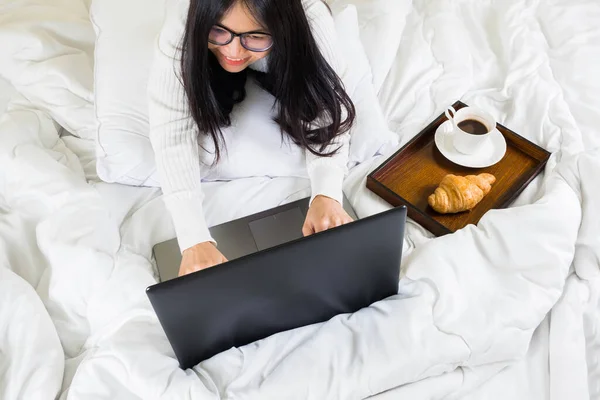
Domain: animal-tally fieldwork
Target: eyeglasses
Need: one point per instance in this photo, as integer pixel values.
(252, 41)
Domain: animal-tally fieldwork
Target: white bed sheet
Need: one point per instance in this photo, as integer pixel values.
(6, 92)
(81, 248)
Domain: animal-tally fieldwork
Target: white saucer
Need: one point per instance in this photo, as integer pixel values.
(490, 153)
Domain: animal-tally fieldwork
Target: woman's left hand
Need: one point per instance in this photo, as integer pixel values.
(324, 213)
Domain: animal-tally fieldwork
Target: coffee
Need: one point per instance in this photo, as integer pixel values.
(473, 127)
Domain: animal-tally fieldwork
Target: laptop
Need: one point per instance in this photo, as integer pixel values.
(293, 284)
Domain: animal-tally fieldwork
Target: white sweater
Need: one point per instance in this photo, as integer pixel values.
(174, 134)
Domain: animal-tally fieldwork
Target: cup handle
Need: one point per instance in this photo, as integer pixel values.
(448, 115)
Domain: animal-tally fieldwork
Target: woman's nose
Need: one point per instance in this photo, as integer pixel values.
(235, 48)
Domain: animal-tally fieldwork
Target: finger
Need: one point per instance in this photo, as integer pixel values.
(307, 230)
(323, 225)
(185, 271)
(333, 223)
(213, 263)
(346, 218)
(196, 268)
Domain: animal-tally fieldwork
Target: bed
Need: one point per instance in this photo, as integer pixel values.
(509, 308)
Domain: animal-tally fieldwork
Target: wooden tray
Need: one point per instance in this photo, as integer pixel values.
(411, 174)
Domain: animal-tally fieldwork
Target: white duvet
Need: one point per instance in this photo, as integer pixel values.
(505, 309)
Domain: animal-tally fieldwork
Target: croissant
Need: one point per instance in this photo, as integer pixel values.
(458, 193)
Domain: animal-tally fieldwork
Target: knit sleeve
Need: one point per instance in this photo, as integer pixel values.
(174, 134)
(327, 173)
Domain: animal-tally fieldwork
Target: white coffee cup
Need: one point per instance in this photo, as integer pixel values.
(468, 142)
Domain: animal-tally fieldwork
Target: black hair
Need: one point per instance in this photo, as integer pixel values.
(313, 106)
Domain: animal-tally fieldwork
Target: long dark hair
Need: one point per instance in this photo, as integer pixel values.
(305, 86)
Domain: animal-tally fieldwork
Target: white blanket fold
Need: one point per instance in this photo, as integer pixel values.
(469, 299)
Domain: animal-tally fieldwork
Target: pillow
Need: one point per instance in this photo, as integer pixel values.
(125, 38)
(381, 23)
(124, 53)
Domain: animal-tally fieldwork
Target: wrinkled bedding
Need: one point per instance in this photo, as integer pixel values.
(506, 309)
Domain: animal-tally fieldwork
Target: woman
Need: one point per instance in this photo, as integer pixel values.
(207, 50)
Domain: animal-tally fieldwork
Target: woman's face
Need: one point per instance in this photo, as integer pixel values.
(233, 57)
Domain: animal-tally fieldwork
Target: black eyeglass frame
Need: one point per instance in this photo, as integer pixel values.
(241, 36)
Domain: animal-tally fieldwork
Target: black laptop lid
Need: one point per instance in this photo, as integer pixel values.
(303, 282)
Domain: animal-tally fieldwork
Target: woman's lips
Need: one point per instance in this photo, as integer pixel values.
(236, 62)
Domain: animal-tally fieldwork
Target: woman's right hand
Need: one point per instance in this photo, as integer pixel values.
(201, 256)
